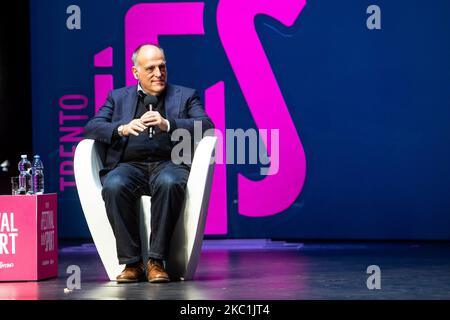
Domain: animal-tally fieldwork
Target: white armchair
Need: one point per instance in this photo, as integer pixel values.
(187, 238)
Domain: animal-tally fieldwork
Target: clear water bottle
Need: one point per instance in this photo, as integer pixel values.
(37, 175)
(24, 175)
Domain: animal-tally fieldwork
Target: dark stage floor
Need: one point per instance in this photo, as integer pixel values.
(265, 270)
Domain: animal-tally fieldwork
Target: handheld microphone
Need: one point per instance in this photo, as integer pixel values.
(149, 103)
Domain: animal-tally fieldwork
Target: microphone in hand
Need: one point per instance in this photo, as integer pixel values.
(149, 103)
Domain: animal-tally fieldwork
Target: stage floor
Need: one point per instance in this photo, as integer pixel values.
(264, 270)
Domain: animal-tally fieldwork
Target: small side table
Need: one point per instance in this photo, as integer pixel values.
(28, 237)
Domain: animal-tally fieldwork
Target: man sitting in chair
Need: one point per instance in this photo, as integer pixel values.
(135, 124)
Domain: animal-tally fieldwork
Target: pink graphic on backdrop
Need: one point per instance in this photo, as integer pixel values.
(235, 22)
(146, 22)
(71, 98)
(103, 84)
(216, 221)
(104, 58)
(170, 19)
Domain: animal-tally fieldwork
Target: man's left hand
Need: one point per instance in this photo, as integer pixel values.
(153, 118)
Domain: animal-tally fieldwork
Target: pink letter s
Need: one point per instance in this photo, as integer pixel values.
(235, 22)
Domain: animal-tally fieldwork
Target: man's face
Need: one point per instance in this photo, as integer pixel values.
(151, 70)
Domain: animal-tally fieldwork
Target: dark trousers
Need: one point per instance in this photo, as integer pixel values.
(123, 186)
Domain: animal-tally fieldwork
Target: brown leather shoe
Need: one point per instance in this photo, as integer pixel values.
(131, 274)
(156, 272)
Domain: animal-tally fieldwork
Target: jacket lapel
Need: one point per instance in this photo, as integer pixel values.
(131, 99)
(172, 102)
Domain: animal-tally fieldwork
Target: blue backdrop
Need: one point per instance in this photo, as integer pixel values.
(371, 108)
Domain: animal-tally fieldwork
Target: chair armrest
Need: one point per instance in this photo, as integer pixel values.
(87, 164)
(186, 243)
(86, 156)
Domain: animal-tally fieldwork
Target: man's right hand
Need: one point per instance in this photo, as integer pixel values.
(134, 127)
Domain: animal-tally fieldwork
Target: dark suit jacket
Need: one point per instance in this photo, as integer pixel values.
(182, 105)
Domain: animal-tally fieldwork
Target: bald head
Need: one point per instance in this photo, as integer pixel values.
(149, 68)
(146, 48)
